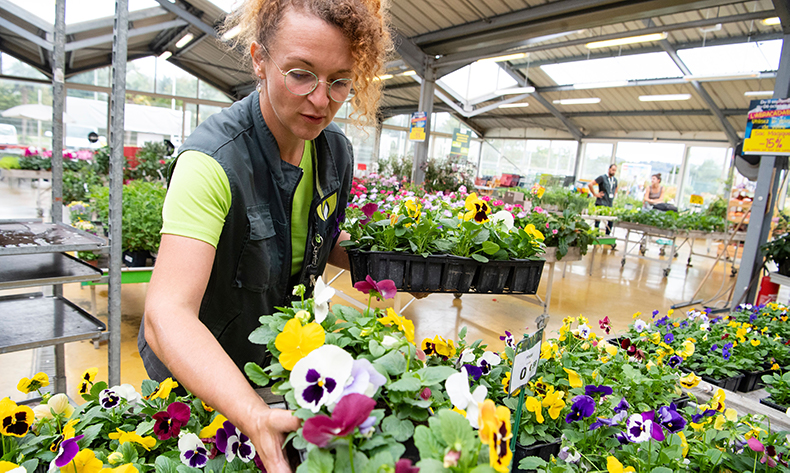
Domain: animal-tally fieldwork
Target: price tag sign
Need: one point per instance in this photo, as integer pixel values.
(768, 128)
(697, 199)
(525, 365)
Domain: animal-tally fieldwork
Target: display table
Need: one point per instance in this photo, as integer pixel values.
(645, 233)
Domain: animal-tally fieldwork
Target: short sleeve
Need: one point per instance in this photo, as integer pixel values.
(198, 199)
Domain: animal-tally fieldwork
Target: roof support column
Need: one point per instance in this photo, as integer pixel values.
(117, 132)
(427, 89)
(765, 196)
(578, 163)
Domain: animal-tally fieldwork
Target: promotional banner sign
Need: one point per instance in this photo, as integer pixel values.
(417, 126)
(460, 146)
(768, 128)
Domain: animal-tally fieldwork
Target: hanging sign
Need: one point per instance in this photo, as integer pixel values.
(525, 365)
(460, 145)
(696, 199)
(417, 126)
(768, 128)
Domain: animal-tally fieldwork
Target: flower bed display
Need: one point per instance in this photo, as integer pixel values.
(365, 390)
(667, 220)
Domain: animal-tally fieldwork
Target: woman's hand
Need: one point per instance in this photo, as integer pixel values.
(272, 426)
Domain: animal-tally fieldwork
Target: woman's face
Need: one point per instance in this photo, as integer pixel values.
(303, 41)
(654, 180)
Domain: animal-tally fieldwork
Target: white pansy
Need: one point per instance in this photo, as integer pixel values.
(457, 386)
(319, 378)
(505, 217)
(321, 297)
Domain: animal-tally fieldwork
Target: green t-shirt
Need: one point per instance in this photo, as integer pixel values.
(198, 200)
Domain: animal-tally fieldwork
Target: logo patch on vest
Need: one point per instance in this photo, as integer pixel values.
(327, 207)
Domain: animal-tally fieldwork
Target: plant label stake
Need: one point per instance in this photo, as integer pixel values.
(525, 365)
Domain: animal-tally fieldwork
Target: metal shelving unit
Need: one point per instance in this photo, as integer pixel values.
(32, 253)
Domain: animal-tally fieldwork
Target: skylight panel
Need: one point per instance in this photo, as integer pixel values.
(78, 11)
(227, 5)
(477, 79)
(613, 69)
(733, 58)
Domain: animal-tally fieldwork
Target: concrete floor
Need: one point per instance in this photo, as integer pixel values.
(611, 291)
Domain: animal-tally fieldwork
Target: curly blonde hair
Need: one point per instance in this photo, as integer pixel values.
(363, 22)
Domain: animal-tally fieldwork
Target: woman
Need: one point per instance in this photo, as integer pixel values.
(255, 200)
(655, 193)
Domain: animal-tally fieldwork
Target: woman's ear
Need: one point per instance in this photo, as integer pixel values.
(256, 51)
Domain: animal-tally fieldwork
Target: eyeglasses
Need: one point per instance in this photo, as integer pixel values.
(303, 82)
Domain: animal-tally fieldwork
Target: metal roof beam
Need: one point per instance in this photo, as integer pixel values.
(524, 82)
(726, 126)
(190, 45)
(782, 8)
(108, 22)
(25, 34)
(182, 13)
(467, 57)
(412, 54)
(628, 113)
(104, 39)
(25, 16)
(642, 83)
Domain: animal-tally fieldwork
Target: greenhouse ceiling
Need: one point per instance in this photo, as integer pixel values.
(574, 68)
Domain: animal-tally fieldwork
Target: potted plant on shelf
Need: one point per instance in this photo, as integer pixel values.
(777, 385)
(778, 251)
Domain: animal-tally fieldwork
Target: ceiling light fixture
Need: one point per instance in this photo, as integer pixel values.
(383, 77)
(710, 29)
(231, 33)
(754, 93)
(514, 105)
(585, 101)
(774, 20)
(515, 91)
(600, 85)
(663, 98)
(165, 55)
(715, 77)
(185, 40)
(410, 72)
(645, 38)
(509, 57)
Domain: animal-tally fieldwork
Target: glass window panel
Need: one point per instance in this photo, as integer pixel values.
(172, 80)
(489, 164)
(11, 66)
(477, 79)
(636, 67)
(140, 74)
(89, 112)
(363, 140)
(190, 118)
(29, 132)
(733, 58)
(444, 123)
(398, 120)
(515, 160)
(440, 146)
(597, 157)
(210, 92)
(637, 161)
(706, 173)
(99, 77)
(563, 157)
(539, 152)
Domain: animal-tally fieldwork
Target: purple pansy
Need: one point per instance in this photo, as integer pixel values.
(193, 452)
(696, 418)
(368, 209)
(674, 361)
(509, 339)
(384, 288)
(67, 451)
(168, 423)
(671, 419)
(474, 372)
(640, 428)
(601, 421)
(233, 443)
(318, 379)
(583, 407)
(109, 398)
(669, 337)
(364, 379)
(591, 389)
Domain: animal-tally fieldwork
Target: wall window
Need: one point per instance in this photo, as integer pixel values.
(597, 157)
(637, 161)
(706, 173)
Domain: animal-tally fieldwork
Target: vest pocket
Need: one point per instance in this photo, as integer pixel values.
(259, 265)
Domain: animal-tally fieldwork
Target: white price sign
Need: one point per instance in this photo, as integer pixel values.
(525, 365)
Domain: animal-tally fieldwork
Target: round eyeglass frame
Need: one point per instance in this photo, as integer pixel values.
(315, 84)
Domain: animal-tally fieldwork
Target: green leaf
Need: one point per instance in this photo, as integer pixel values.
(662, 469)
(435, 374)
(97, 388)
(129, 452)
(715, 455)
(481, 236)
(456, 429)
(376, 349)
(148, 386)
(378, 461)
(320, 461)
(165, 465)
(90, 434)
(144, 427)
(256, 374)
(431, 465)
(479, 257)
(346, 313)
(263, 335)
(343, 464)
(490, 247)
(405, 384)
(401, 430)
(394, 363)
(187, 469)
(427, 443)
(532, 463)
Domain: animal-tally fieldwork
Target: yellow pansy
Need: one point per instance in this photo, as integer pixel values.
(211, 429)
(15, 420)
(573, 378)
(68, 430)
(655, 337)
(38, 381)
(613, 465)
(670, 312)
(717, 402)
(206, 407)
(115, 457)
(86, 380)
(636, 315)
(533, 404)
(296, 342)
(163, 390)
(775, 367)
(755, 431)
(729, 415)
(684, 443)
(7, 466)
(477, 209)
(404, 325)
(393, 219)
(534, 232)
(548, 350)
(84, 462)
(650, 365)
(495, 432)
(690, 380)
(687, 349)
(582, 320)
(122, 437)
(413, 209)
(755, 342)
(553, 401)
(127, 468)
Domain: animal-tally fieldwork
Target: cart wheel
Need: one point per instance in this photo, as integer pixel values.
(458, 295)
(666, 272)
(661, 252)
(676, 255)
(622, 262)
(614, 246)
(733, 272)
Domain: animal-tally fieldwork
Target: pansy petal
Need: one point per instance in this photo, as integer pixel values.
(179, 412)
(351, 411)
(320, 430)
(387, 288)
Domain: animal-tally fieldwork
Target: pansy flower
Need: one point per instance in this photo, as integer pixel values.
(582, 407)
(534, 405)
(670, 418)
(233, 443)
(641, 427)
(573, 378)
(295, 342)
(109, 399)
(57, 404)
(364, 379)
(505, 217)
(193, 452)
(404, 325)
(404, 465)
(351, 412)
(379, 289)
(591, 389)
(509, 339)
(15, 420)
(163, 390)
(669, 337)
(169, 422)
(211, 429)
(38, 381)
(640, 326)
(122, 437)
(487, 361)
(322, 294)
(83, 462)
(495, 432)
(757, 446)
(674, 361)
(368, 209)
(440, 347)
(8, 467)
(87, 380)
(477, 209)
(613, 465)
(553, 401)
(463, 399)
(318, 378)
(67, 450)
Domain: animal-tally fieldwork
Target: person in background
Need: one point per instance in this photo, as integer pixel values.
(655, 193)
(607, 191)
(255, 200)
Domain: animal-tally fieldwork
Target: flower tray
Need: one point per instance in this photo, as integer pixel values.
(135, 259)
(752, 381)
(730, 384)
(768, 402)
(542, 450)
(447, 273)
